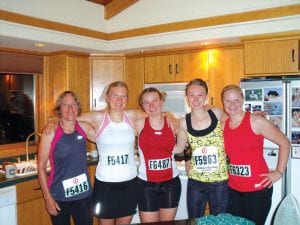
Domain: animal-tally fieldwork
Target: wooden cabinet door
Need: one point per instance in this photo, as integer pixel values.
(30, 204)
(134, 77)
(104, 70)
(63, 72)
(79, 79)
(159, 69)
(189, 66)
(226, 67)
(271, 57)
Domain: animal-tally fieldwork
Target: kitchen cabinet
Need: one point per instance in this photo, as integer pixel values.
(180, 67)
(225, 67)
(104, 70)
(269, 57)
(92, 172)
(30, 204)
(64, 72)
(134, 78)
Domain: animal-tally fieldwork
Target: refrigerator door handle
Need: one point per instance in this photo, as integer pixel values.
(272, 153)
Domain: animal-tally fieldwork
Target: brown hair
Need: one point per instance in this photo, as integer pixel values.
(116, 84)
(149, 90)
(232, 87)
(198, 82)
(57, 107)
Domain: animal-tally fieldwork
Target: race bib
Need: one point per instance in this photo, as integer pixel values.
(76, 185)
(240, 170)
(206, 159)
(113, 160)
(160, 164)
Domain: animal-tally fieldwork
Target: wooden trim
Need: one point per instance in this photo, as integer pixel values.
(100, 2)
(115, 7)
(67, 52)
(50, 25)
(210, 21)
(20, 51)
(184, 50)
(150, 30)
(285, 35)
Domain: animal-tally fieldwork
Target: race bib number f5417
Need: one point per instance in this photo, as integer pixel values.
(76, 185)
(160, 164)
(113, 160)
(240, 170)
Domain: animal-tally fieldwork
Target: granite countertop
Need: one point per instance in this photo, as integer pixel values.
(4, 182)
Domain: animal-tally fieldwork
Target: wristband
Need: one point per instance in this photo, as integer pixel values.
(281, 174)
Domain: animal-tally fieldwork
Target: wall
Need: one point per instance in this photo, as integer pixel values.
(90, 16)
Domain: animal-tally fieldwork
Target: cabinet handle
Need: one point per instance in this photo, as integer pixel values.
(37, 189)
(177, 68)
(95, 103)
(170, 69)
(212, 101)
(293, 55)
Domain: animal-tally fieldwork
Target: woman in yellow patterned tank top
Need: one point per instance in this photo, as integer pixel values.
(207, 175)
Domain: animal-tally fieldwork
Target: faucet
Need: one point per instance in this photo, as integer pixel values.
(27, 140)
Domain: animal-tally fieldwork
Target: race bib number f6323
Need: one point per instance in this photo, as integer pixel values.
(240, 170)
(76, 185)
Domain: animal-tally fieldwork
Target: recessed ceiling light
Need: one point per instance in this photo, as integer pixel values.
(39, 45)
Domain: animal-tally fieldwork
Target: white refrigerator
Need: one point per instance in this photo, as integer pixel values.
(279, 98)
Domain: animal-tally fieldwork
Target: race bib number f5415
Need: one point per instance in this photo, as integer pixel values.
(76, 185)
(240, 170)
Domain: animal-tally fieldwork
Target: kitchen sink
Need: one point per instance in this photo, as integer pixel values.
(26, 168)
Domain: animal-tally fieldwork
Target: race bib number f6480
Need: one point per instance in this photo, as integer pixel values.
(76, 185)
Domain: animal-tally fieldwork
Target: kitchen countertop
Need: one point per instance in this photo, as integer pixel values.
(4, 182)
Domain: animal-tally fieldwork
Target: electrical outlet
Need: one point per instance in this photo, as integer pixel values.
(296, 152)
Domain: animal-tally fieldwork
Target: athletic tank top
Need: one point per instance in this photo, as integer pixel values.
(157, 162)
(208, 162)
(115, 143)
(68, 179)
(245, 152)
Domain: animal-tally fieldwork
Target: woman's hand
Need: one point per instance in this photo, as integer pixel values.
(270, 178)
(52, 206)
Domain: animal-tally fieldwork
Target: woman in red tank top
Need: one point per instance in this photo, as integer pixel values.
(250, 181)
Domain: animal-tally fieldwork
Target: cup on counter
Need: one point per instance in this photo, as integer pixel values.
(10, 171)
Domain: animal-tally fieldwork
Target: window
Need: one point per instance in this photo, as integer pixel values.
(16, 107)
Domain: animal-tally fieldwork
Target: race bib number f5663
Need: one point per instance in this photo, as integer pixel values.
(160, 164)
(240, 170)
(76, 185)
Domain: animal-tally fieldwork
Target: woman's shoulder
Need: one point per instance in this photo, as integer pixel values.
(218, 112)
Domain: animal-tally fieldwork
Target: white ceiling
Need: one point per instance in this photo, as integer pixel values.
(89, 15)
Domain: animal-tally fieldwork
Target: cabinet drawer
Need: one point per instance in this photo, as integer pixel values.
(28, 191)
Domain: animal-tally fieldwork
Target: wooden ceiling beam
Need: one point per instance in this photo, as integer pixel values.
(116, 6)
(100, 2)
